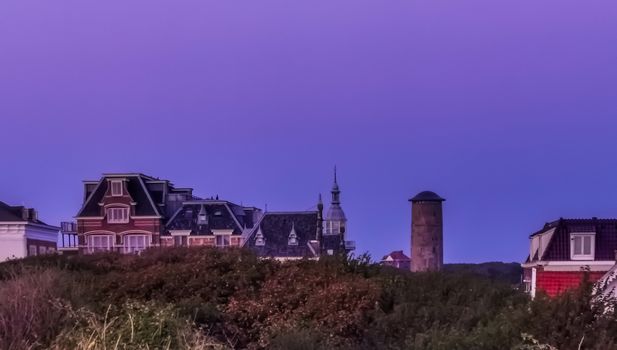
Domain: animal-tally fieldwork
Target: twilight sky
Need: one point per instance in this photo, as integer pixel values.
(506, 108)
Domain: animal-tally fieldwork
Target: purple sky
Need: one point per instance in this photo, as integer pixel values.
(506, 108)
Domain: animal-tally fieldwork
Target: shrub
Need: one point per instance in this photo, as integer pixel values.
(201, 298)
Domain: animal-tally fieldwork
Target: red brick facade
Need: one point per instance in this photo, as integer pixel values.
(150, 227)
(555, 282)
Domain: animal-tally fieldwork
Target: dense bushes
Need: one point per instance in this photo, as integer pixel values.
(203, 298)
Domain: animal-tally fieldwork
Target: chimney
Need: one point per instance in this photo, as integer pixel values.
(33, 214)
(25, 214)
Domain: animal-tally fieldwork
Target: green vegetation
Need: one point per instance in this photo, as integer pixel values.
(496, 271)
(201, 298)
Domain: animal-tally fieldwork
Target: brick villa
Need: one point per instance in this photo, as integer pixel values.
(131, 212)
(564, 250)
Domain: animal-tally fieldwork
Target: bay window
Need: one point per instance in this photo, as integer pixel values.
(100, 243)
(135, 243)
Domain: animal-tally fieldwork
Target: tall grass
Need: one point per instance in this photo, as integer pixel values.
(30, 309)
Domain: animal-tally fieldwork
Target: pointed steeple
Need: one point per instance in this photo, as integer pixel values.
(335, 218)
(336, 192)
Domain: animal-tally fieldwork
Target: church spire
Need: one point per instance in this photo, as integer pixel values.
(336, 192)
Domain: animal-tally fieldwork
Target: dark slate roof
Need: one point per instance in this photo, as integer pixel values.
(139, 193)
(427, 196)
(397, 255)
(9, 213)
(14, 213)
(221, 215)
(137, 190)
(276, 227)
(558, 248)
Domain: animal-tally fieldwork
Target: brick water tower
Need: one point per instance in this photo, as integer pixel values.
(426, 232)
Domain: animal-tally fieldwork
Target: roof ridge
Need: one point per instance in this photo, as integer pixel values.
(291, 212)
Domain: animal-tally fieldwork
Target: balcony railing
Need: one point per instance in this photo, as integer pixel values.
(350, 245)
(68, 236)
(68, 227)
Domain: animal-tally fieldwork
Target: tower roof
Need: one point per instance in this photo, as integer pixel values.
(427, 196)
(335, 213)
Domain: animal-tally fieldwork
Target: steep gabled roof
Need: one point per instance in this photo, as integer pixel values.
(397, 255)
(558, 248)
(220, 215)
(137, 190)
(276, 228)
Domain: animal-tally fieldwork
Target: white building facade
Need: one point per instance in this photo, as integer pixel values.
(22, 234)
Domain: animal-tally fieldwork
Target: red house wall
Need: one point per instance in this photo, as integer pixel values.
(85, 227)
(556, 282)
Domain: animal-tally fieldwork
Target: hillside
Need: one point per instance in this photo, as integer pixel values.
(213, 299)
(496, 271)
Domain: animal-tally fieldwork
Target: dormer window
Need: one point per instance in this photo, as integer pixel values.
(116, 188)
(293, 237)
(260, 241)
(118, 215)
(582, 246)
(202, 217)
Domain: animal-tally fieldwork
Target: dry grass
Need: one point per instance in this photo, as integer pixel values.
(29, 312)
(134, 326)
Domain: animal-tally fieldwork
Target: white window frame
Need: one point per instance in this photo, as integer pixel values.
(118, 215)
(116, 183)
(107, 239)
(591, 237)
(32, 250)
(223, 238)
(135, 243)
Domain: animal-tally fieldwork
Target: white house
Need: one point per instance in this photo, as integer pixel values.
(23, 234)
